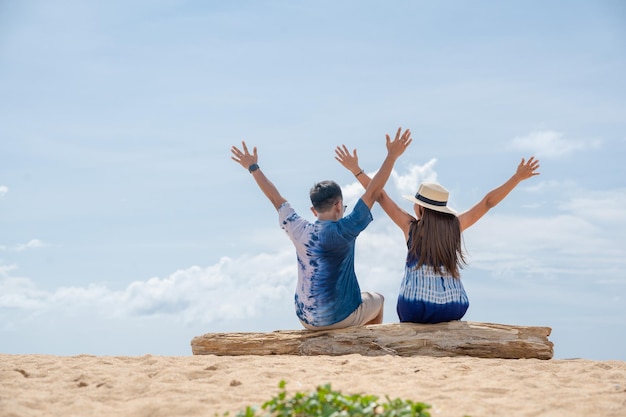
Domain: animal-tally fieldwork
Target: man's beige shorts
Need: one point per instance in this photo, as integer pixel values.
(369, 309)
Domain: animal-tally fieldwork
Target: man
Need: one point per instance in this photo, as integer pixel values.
(328, 295)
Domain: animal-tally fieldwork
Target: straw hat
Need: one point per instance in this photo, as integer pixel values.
(432, 196)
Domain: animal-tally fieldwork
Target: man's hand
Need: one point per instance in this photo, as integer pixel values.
(396, 147)
(245, 158)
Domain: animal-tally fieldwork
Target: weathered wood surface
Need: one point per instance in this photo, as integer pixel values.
(457, 338)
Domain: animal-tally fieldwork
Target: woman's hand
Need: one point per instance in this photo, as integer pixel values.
(349, 161)
(526, 170)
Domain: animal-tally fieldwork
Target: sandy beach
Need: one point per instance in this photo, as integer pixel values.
(205, 385)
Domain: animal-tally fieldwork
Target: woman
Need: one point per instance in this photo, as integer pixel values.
(431, 290)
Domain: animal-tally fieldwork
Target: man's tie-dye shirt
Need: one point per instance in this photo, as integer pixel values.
(327, 290)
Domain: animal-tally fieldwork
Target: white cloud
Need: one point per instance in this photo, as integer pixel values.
(20, 293)
(400, 183)
(31, 244)
(550, 186)
(231, 289)
(554, 247)
(551, 144)
(602, 205)
(5, 269)
(408, 184)
(3, 190)
(585, 239)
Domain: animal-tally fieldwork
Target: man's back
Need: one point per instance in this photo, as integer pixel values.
(327, 290)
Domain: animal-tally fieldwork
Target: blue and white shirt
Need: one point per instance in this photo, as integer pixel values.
(428, 295)
(327, 290)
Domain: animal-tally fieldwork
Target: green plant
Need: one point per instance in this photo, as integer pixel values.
(324, 402)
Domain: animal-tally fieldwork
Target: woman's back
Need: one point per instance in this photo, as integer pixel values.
(431, 290)
(435, 240)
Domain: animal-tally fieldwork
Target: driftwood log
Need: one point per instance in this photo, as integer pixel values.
(457, 338)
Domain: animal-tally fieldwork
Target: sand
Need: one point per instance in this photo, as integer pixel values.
(84, 385)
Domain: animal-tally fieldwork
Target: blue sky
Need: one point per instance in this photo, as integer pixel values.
(126, 229)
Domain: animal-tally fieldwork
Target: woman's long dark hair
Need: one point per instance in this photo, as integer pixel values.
(435, 240)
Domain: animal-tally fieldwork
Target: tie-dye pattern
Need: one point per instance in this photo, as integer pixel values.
(327, 290)
(429, 296)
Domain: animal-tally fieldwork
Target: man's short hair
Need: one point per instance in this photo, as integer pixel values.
(324, 195)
